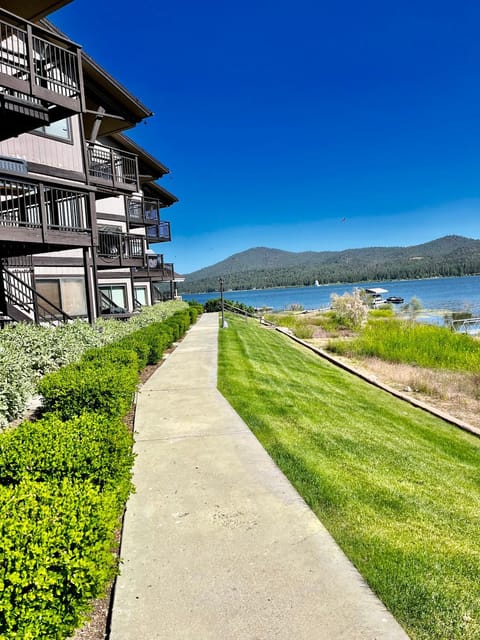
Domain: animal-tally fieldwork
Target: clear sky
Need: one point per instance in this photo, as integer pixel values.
(300, 125)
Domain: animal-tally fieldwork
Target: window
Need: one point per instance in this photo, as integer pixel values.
(67, 294)
(113, 298)
(141, 296)
(59, 130)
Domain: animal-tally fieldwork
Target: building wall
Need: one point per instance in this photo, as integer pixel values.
(47, 151)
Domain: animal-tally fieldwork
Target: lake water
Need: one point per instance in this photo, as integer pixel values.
(446, 294)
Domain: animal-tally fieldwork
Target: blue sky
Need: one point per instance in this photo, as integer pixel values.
(304, 125)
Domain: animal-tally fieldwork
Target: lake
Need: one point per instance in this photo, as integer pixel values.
(445, 294)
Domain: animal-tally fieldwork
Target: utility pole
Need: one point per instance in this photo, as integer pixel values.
(222, 303)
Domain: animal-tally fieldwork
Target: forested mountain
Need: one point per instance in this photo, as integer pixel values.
(261, 267)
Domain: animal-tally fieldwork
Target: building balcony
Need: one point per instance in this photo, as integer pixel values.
(36, 217)
(40, 76)
(155, 269)
(113, 170)
(116, 249)
(158, 232)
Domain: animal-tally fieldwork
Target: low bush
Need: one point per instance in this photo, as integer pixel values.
(179, 323)
(57, 555)
(195, 309)
(157, 339)
(89, 386)
(16, 383)
(134, 342)
(89, 447)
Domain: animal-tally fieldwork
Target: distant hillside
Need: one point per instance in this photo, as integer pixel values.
(261, 267)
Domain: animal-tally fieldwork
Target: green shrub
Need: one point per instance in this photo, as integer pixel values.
(16, 383)
(179, 324)
(195, 309)
(157, 341)
(110, 356)
(215, 304)
(90, 386)
(57, 541)
(134, 342)
(89, 447)
(303, 331)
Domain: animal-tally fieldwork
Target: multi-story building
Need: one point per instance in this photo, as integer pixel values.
(79, 201)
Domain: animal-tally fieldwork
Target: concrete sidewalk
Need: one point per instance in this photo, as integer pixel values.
(217, 544)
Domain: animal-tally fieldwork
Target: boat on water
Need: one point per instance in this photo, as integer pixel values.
(376, 297)
(375, 294)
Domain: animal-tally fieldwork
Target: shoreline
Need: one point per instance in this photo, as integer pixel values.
(329, 284)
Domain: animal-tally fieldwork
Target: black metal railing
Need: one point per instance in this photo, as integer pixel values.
(158, 268)
(135, 211)
(158, 232)
(113, 168)
(35, 63)
(120, 246)
(161, 295)
(144, 211)
(19, 292)
(33, 205)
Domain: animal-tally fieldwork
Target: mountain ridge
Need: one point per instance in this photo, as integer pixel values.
(264, 267)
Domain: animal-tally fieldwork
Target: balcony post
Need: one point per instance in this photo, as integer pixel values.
(43, 212)
(112, 168)
(31, 64)
(137, 173)
(81, 86)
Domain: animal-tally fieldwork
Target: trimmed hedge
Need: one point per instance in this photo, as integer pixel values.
(64, 480)
(107, 388)
(88, 447)
(57, 542)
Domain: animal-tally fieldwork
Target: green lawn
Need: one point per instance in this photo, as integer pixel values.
(397, 488)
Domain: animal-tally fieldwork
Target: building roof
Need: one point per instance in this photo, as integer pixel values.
(105, 97)
(122, 109)
(376, 290)
(154, 190)
(33, 10)
(150, 168)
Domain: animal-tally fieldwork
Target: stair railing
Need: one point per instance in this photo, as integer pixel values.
(22, 295)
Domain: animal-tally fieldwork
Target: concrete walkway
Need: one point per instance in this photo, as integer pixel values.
(217, 544)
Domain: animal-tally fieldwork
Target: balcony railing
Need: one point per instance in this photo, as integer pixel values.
(156, 269)
(37, 65)
(41, 213)
(120, 249)
(109, 167)
(143, 212)
(158, 232)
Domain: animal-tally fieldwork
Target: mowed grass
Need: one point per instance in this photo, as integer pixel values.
(411, 342)
(397, 488)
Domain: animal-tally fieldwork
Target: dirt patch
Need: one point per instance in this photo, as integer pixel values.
(452, 392)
